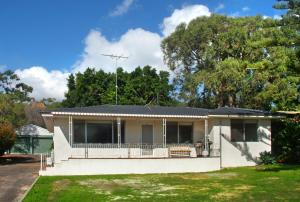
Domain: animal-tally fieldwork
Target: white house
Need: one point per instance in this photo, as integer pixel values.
(120, 139)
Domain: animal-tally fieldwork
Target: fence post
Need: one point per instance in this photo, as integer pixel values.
(119, 131)
(206, 149)
(164, 132)
(41, 162)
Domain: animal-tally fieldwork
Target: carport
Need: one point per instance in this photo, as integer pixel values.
(32, 139)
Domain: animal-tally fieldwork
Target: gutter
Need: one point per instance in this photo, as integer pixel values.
(161, 116)
(123, 115)
(245, 116)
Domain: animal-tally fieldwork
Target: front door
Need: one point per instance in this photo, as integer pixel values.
(147, 134)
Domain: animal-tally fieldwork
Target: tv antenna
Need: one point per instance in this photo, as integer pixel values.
(116, 58)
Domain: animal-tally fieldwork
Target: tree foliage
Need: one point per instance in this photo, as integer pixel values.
(7, 137)
(243, 62)
(11, 111)
(13, 95)
(32, 113)
(9, 84)
(141, 86)
(286, 140)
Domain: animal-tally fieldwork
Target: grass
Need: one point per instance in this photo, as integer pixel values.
(263, 183)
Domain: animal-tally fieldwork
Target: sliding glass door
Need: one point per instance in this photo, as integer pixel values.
(179, 133)
(147, 134)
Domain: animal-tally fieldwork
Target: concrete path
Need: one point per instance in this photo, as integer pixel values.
(17, 173)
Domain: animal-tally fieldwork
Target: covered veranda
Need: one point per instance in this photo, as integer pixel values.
(137, 136)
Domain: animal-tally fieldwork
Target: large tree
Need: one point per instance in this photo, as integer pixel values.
(10, 84)
(13, 94)
(244, 62)
(141, 86)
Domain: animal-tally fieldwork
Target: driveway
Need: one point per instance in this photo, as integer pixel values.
(17, 173)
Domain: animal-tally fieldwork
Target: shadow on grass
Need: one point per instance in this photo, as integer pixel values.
(276, 167)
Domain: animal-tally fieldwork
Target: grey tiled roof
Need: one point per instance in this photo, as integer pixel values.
(237, 111)
(160, 110)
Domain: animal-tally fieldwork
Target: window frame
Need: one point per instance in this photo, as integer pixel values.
(98, 123)
(244, 123)
(112, 122)
(178, 124)
(82, 123)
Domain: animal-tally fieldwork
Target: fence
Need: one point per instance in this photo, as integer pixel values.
(95, 150)
(46, 160)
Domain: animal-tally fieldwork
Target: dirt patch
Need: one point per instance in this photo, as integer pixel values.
(224, 195)
(203, 176)
(140, 187)
(273, 178)
(244, 187)
(113, 185)
(229, 193)
(194, 177)
(297, 188)
(222, 175)
(58, 186)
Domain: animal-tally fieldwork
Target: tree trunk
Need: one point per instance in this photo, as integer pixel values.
(230, 100)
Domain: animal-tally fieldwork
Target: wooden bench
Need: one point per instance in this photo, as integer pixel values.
(180, 151)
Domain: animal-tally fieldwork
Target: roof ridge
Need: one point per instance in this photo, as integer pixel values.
(259, 110)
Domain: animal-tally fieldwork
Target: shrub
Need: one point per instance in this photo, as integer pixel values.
(266, 158)
(286, 141)
(7, 137)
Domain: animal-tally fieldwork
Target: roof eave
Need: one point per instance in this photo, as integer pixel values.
(126, 115)
(246, 116)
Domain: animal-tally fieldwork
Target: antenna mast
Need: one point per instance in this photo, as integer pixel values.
(116, 58)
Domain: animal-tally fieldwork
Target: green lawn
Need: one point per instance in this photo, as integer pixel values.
(276, 183)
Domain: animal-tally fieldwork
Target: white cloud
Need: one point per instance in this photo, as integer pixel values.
(246, 8)
(265, 16)
(142, 47)
(45, 83)
(219, 7)
(122, 8)
(235, 14)
(277, 17)
(184, 15)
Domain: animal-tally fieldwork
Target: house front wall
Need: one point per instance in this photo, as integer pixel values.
(133, 129)
(235, 154)
(62, 148)
(133, 132)
(232, 153)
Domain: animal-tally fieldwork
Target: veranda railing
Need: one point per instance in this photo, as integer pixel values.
(96, 150)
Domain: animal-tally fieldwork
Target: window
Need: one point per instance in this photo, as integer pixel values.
(251, 132)
(185, 134)
(244, 130)
(97, 132)
(79, 130)
(237, 134)
(179, 133)
(172, 133)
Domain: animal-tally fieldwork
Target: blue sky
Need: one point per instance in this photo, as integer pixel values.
(62, 36)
